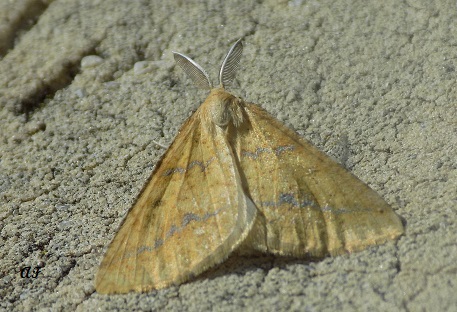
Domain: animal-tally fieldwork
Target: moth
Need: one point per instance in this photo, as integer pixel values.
(235, 179)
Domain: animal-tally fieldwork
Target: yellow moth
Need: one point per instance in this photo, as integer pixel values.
(237, 180)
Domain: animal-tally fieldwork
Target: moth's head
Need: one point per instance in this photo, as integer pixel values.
(223, 107)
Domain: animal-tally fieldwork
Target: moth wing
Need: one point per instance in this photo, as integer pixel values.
(190, 215)
(309, 204)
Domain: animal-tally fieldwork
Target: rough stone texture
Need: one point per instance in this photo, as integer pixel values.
(372, 83)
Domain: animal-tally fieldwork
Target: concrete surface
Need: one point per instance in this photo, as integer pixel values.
(371, 83)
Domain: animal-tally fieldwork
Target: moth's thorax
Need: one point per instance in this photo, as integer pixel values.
(223, 108)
